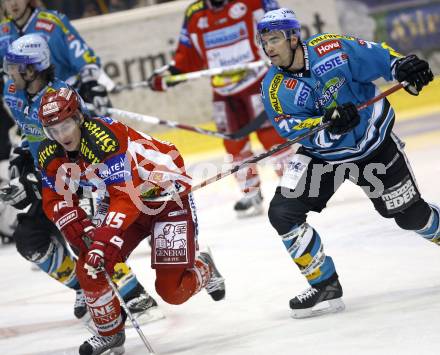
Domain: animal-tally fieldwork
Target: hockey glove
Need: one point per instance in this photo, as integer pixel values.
(21, 191)
(105, 250)
(21, 162)
(95, 96)
(415, 71)
(73, 224)
(343, 118)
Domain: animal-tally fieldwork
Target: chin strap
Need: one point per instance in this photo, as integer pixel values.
(293, 57)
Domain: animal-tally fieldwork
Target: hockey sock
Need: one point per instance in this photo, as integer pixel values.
(432, 229)
(304, 245)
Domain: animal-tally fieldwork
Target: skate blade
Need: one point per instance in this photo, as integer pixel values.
(334, 306)
(149, 316)
(119, 350)
(251, 212)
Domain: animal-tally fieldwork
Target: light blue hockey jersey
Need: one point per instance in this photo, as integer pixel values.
(338, 69)
(25, 112)
(69, 52)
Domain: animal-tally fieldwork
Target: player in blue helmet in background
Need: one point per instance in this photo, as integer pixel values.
(75, 62)
(322, 79)
(27, 63)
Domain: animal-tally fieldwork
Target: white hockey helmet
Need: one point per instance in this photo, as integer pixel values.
(283, 20)
(31, 49)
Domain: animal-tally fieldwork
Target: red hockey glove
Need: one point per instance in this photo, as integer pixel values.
(104, 250)
(73, 224)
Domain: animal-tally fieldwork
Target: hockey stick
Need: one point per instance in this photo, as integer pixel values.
(133, 320)
(155, 120)
(278, 148)
(174, 79)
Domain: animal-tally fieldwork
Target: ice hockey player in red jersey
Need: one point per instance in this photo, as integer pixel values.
(131, 172)
(219, 33)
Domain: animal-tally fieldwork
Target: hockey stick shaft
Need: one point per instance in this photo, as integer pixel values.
(289, 143)
(133, 320)
(214, 71)
(173, 79)
(155, 120)
(127, 311)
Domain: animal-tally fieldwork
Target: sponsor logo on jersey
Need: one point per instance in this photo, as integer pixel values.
(89, 154)
(225, 36)
(281, 117)
(308, 123)
(170, 243)
(330, 91)
(33, 133)
(202, 23)
(390, 49)
(302, 94)
(330, 63)
(107, 120)
(193, 8)
(46, 152)
(54, 19)
(401, 195)
(327, 47)
(14, 103)
(115, 171)
(44, 25)
(328, 36)
(237, 10)
(273, 93)
(290, 84)
(12, 89)
(104, 137)
(63, 221)
(5, 29)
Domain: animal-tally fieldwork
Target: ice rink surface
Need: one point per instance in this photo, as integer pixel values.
(391, 281)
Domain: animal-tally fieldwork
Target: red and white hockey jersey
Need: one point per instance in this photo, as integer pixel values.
(114, 162)
(213, 38)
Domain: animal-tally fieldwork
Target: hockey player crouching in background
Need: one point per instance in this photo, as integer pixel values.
(27, 62)
(120, 164)
(332, 75)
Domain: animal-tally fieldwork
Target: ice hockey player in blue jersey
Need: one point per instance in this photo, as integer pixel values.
(75, 62)
(319, 80)
(27, 63)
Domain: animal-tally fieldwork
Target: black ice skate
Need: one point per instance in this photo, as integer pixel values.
(99, 344)
(216, 284)
(310, 302)
(250, 205)
(144, 308)
(80, 307)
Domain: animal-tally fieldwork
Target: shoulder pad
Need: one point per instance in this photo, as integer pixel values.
(48, 151)
(52, 17)
(194, 8)
(98, 141)
(320, 38)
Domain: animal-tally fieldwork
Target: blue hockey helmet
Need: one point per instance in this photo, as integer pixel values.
(283, 20)
(31, 49)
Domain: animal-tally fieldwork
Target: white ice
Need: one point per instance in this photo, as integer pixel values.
(391, 281)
